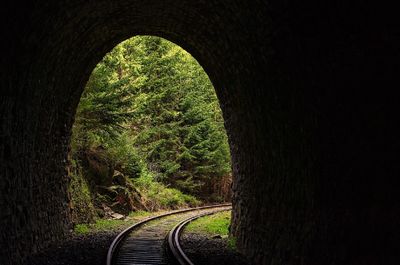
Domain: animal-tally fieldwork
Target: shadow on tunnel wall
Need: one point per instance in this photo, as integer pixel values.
(308, 95)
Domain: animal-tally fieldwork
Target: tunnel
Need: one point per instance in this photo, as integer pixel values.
(307, 91)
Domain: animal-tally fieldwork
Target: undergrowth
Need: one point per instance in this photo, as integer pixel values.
(81, 203)
(211, 224)
(110, 224)
(98, 226)
(156, 196)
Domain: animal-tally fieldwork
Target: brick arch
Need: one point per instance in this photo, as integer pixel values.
(313, 150)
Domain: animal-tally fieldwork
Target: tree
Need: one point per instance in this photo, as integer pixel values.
(150, 100)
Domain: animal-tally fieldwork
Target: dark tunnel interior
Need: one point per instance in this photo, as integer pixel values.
(308, 93)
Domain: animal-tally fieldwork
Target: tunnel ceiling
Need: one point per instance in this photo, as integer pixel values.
(313, 149)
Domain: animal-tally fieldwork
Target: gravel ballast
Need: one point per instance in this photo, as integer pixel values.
(210, 250)
(90, 249)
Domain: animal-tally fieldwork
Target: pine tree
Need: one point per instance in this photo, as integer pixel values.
(149, 100)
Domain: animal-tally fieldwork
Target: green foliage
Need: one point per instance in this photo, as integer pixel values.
(231, 243)
(211, 224)
(152, 113)
(216, 224)
(156, 196)
(81, 229)
(125, 158)
(106, 103)
(104, 224)
(110, 224)
(179, 126)
(139, 214)
(98, 226)
(81, 204)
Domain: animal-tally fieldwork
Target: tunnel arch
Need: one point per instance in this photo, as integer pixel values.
(189, 65)
(312, 148)
(59, 68)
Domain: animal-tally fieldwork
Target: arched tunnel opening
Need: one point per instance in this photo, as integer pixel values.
(148, 135)
(314, 149)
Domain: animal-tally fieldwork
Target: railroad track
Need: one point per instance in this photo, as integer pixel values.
(144, 242)
(174, 238)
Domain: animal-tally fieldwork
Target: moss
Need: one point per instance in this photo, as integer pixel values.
(231, 242)
(81, 229)
(81, 203)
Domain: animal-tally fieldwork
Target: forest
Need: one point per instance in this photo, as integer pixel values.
(148, 134)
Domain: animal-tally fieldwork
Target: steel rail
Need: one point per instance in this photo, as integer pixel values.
(121, 236)
(174, 236)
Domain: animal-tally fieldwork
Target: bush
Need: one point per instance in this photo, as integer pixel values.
(81, 229)
(156, 195)
(125, 157)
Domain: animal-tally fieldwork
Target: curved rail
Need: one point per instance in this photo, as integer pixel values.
(174, 235)
(119, 238)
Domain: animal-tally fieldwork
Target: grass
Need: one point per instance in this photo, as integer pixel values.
(109, 224)
(212, 224)
(99, 225)
(156, 196)
(216, 224)
(81, 229)
(231, 243)
(140, 214)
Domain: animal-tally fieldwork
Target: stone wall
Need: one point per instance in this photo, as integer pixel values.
(315, 152)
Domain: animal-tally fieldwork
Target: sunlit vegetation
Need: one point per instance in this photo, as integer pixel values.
(109, 224)
(215, 224)
(148, 135)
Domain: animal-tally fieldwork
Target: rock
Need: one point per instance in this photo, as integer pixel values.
(117, 216)
(217, 237)
(107, 210)
(111, 214)
(119, 178)
(100, 168)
